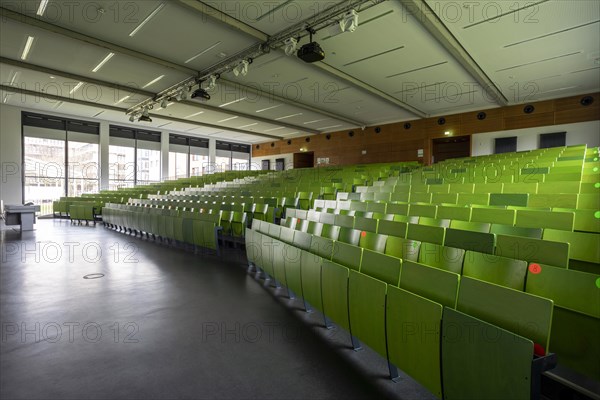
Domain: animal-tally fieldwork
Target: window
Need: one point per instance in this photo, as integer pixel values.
(188, 156)
(505, 145)
(556, 139)
(60, 158)
(232, 156)
(134, 157)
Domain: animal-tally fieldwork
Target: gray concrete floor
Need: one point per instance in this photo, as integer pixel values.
(163, 323)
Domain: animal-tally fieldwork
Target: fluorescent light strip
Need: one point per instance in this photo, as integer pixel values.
(170, 104)
(122, 100)
(108, 57)
(152, 82)
(42, 8)
(60, 103)
(98, 114)
(27, 47)
(232, 102)
(160, 126)
(275, 129)
(268, 108)
(329, 127)
(315, 121)
(148, 18)
(202, 52)
(287, 116)
(5, 98)
(246, 126)
(194, 114)
(80, 84)
(227, 119)
(14, 78)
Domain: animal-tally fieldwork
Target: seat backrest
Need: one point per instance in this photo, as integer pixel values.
(521, 313)
(533, 250)
(545, 219)
(381, 266)
(423, 233)
(372, 241)
(347, 255)
(476, 241)
(346, 221)
(365, 224)
(442, 257)
(584, 246)
(482, 227)
(302, 240)
(431, 283)
(405, 249)
(502, 271)
(493, 215)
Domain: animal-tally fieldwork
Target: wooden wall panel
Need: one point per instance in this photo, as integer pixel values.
(395, 143)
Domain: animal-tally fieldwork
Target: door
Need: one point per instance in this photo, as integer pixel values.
(304, 160)
(451, 147)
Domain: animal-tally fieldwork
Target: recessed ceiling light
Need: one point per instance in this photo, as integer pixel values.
(249, 125)
(203, 52)
(194, 114)
(227, 119)
(287, 116)
(122, 100)
(80, 84)
(52, 77)
(148, 18)
(315, 121)
(42, 8)
(152, 82)
(108, 57)
(222, 55)
(330, 127)
(275, 129)
(232, 102)
(27, 47)
(268, 108)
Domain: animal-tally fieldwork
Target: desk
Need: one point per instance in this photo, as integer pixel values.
(20, 215)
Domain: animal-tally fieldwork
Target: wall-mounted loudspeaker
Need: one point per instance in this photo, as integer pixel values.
(307, 139)
(272, 144)
(528, 109)
(407, 125)
(586, 100)
(378, 130)
(441, 121)
(328, 136)
(481, 116)
(289, 142)
(351, 133)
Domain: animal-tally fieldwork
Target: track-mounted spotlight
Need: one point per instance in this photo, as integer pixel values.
(291, 45)
(145, 117)
(242, 67)
(164, 103)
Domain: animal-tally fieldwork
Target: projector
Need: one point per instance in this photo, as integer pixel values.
(311, 52)
(202, 94)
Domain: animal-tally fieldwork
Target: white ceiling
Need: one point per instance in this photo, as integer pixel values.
(390, 69)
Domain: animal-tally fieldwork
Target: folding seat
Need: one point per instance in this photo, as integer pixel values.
(372, 241)
(392, 228)
(545, 219)
(374, 207)
(483, 227)
(515, 320)
(380, 266)
(585, 220)
(225, 222)
(584, 248)
(419, 197)
(477, 198)
(260, 211)
(347, 255)
(576, 318)
(321, 246)
(400, 196)
(534, 233)
(310, 278)
(303, 240)
(562, 200)
(327, 218)
(365, 224)
(422, 210)
(404, 249)
(476, 241)
(533, 250)
(511, 199)
(358, 206)
(493, 215)
(302, 225)
(484, 188)
(397, 208)
(442, 257)
(286, 235)
(334, 288)
(432, 283)
(330, 231)
(445, 223)
(423, 233)
(314, 228)
(387, 217)
(502, 271)
(238, 224)
(444, 198)
(364, 214)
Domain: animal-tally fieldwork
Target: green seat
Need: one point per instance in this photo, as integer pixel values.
(512, 199)
(483, 227)
(260, 212)
(454, 213)
(314, 228)
(303, 240)
(286, 235)
(330, 231)
(344, 221)
(413, 219)
(423, 233)
(413, 337)
(444, 223)
(584, 247)
(442, 257)
(365, 224)
(253, 242)
(310, 275)
(238, 224)
(502, 271)
(473, 198)
(372, 241)
(422, 210)
(585, 220)
(380, 266)
(225, 222)
(397, 208)
(366, 302)
(377, 207)
(493, 215)
(497, 229)
(576, 319)
(320, 246)
(404, 249)
(561, 200)
(349, 235)
(347, 255)
(431, 283)
(476, 241)
(545, 219)
(467, 346)
(334, 287)
(392, 228)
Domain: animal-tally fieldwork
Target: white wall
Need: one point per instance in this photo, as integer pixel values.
(10, 155)
(528, 138)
